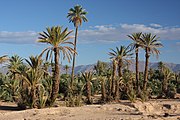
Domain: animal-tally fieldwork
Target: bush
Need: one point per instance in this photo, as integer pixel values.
(131, 94)
(155, 86)
(171, 91)
(144, 95)
(74, 101)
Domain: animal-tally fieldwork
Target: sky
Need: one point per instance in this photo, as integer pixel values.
(109, 23)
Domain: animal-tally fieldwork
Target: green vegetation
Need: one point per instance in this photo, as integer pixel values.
(37, 82)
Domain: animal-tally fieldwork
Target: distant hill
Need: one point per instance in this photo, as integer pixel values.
(84, 68)
(174, 67)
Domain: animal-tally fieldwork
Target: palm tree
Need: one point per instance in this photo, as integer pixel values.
(121, 55)
(103, 87)
(136, 44)
(88, 76)
(150, 44)
(14, 63)
(101, 72)
(32, 76)
(113, 77)
(76, 15)
(46, 66)
(161, 65)
(167, 75)
(57, 38)
(66, 68)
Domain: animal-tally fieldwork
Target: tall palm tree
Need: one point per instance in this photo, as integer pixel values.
(121, 55)
(76, 15)
(150, 44)
(58, 39)
(136, 44)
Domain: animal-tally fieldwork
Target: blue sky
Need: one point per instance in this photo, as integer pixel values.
(110, 21)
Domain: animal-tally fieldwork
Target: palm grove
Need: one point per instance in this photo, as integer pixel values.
(37, 82)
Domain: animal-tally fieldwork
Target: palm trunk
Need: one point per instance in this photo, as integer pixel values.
(55, 86)
(137, 69)
(74, 56)
(117, 97)
(103, 89)
(118, 81)
(164, 85)
(33, 97)
(66, 71)
(89, 92)
(120, 68)
(113, 79)
(109, 86)
(146, 70)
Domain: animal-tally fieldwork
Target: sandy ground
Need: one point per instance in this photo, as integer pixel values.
(153, 109)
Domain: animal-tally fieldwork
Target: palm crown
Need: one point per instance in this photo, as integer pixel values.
(121, 53)
(76, 15)
(136, 37)
(150, 43)
(57, 37)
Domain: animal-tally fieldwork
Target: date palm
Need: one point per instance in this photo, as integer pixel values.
(167, 76)
(58, 39)
(114, 70)
(32, 76)
(76, 15)
(121, 55)
(150, 44)
(101, 72)
(88, 76)
(14, 63)
(66, 68)
(136, 37)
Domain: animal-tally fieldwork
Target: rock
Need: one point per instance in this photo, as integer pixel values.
(166, 115)
(167, 106)
(119, 109)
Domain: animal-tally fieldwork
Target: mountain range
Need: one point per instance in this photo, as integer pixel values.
(154, 65)
(84, 68)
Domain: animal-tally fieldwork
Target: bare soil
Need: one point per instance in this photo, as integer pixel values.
(161, 109)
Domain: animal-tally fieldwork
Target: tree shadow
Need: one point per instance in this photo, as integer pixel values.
(128, 103)
(10, 108)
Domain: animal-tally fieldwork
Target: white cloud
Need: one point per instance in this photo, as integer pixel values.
(104, 28)
(155, 25)
(99, 33)
(18, 37)
(110, 33)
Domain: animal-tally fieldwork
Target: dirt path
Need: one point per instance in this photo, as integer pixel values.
(154, 109)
